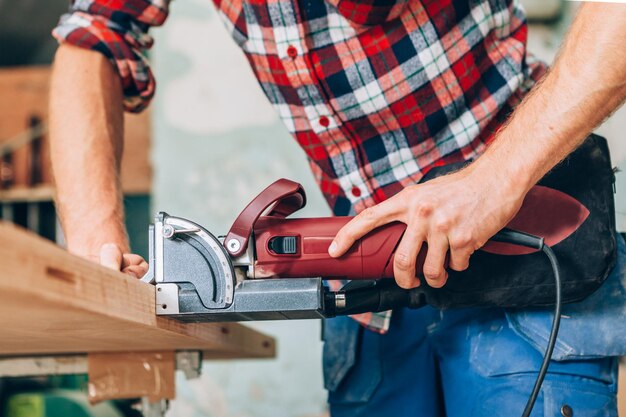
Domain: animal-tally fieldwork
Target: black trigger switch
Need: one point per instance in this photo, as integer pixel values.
(284, 245)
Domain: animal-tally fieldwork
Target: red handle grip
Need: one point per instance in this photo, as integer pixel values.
(545, 212)
(370, 258)
(286, 196)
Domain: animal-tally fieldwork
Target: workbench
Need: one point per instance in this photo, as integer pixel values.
(58, 312)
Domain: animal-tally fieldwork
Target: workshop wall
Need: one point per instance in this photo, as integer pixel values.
(217, 142)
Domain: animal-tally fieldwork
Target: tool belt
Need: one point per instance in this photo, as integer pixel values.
(586, 257)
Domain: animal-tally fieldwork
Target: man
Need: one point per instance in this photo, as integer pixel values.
(377, 93)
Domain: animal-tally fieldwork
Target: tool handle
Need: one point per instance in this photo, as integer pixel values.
(294, 248)
(305, 251)
(284, 196)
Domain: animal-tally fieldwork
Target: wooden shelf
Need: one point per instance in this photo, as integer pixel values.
(27, 195)
(52, 302)
(25, 94)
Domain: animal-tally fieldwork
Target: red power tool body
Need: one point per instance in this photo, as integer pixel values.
(293, 248)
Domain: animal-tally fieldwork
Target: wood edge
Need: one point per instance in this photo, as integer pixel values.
(245, 341)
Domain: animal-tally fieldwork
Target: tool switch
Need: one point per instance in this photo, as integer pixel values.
(284, 245)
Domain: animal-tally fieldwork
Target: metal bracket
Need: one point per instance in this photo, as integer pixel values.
(167, 299)
(151, 409)
(190, 362)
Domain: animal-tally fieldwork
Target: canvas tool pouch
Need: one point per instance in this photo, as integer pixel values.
(586, 257)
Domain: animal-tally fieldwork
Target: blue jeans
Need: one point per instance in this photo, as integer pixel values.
(480, 362)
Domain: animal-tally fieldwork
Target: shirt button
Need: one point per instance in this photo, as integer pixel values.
(566, 411)
(292, 52)
(324, 121)
(356, 191)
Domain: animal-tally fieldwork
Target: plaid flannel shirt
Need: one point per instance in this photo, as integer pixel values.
(376, 92)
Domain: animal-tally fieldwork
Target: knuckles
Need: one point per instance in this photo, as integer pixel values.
(442, 225)
(423, 210)
(432, 272)
(461, 240)
(437, 283)
(460, 266)
(369, 214)
(403, 263)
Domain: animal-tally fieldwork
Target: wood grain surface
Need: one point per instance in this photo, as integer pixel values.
(54, 302)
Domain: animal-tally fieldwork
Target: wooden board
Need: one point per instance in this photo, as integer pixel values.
(53, 302)
(25, 94)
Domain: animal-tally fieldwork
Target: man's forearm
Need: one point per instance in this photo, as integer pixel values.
(86, 135)
(586, 84)
(457, 213)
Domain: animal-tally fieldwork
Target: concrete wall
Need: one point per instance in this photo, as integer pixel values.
(217, 143)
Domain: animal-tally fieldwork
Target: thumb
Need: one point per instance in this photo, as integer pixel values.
(111, 256)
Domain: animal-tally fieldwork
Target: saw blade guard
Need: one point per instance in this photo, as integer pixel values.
(185, 253)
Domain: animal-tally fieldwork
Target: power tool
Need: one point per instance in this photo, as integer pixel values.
(242, 276)
(271, 267)
(247, 274)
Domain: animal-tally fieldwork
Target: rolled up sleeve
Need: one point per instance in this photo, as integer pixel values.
(119, 30)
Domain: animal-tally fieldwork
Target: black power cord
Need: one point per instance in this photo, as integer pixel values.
(369, 296)
(535, 242)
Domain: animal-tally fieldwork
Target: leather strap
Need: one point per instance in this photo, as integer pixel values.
(287, 197)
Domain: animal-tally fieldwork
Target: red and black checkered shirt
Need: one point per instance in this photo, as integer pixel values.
(376, 92)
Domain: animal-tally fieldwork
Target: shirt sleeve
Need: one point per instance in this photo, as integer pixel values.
(119, 30)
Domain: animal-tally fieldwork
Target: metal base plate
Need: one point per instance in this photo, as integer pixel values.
(263, 299)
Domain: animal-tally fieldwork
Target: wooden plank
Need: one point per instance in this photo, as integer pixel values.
(25, 94)
(131, 375)
(54, 302)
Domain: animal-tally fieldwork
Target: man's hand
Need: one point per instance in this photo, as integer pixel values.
(456, 213)
(112, 256)
(117, 257)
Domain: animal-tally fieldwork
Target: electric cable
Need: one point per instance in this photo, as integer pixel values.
(556, 322)
(524, 239)
(369, 297)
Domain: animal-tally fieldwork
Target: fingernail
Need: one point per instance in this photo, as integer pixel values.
(332, 248)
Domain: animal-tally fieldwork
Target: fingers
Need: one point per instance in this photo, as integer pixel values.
(405, 259)
(131, 259)
(434, 265)
(111, 256)
(459, 258)
(136, 271)
(360, 225)
(134, 265)
(461, 248)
